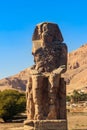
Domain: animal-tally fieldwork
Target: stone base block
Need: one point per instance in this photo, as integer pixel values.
(45, 125)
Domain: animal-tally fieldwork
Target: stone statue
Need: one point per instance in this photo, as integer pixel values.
(46, 89)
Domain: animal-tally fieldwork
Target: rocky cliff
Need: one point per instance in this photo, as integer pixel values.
(76, 75)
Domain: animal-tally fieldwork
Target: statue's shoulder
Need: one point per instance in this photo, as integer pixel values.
(33, 71)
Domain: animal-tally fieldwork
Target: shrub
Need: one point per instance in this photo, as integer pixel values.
(76, 96)
(12, 102)
(68, 98)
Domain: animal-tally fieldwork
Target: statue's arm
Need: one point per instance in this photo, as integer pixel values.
(59, 70)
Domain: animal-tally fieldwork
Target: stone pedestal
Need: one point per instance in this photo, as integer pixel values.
(45, 125)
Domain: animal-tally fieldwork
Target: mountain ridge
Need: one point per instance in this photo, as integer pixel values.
(76, 75)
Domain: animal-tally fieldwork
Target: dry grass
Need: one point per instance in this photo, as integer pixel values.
(11, 126)
(76, 121)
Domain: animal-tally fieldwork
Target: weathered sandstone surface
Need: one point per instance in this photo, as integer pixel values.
(76, 75)
(46, 89)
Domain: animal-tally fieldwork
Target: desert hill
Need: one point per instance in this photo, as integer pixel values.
(76, 75)
(17, 81)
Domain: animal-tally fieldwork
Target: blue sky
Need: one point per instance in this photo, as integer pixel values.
(17, 22)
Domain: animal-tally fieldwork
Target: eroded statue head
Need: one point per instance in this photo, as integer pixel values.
(48, 50)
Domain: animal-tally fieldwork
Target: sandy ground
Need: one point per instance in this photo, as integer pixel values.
(75, 122)
(11, 126)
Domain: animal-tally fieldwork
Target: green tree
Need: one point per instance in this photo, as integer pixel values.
(68, 98)
(79, 96)
(76, 96)
(83, 96)
(12, 102)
